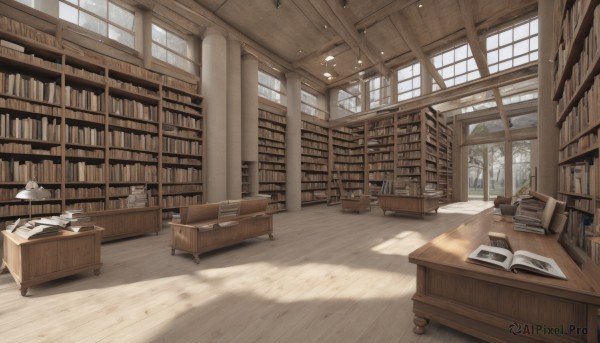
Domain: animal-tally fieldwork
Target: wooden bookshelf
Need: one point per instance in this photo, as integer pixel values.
(408, 154)
(87, 127)
(577, 92)
(315, 160)
(347, 164)
(271, 156)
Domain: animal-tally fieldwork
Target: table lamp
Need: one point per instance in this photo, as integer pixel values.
(33, 191)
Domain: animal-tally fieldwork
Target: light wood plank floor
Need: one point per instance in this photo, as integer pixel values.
(327, 277)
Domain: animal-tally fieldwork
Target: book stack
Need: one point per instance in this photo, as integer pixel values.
(77, 221)
(36, 227)
(430, 191)
(138, 197)
(534, 214)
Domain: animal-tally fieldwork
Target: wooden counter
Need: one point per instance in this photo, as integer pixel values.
(500, 306)
(408, 204)
(38, 260)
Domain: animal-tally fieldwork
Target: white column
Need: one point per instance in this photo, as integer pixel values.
(548, 134)
(250, 118)
(234, 120)
(293, 141)
(333, 103)
(214, 88)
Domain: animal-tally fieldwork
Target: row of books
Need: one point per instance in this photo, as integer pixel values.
(22, 171)
(29, 87)
(25, 127)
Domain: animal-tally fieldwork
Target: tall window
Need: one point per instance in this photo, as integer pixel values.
(101, 16)
(409, 82)
(456, 66)
(308, 103)
(349, 98)
(513, 46)
(379, 92)
(269, 87)
(171, 48)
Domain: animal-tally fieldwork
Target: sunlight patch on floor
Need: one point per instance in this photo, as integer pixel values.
(299, 282)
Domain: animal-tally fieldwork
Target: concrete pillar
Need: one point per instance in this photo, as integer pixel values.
(249, 85)
(548, 133)
(214, 87)
(147, 38)
(426, 81)
(333, 103)
(486, 173)
(508, 169)
(293, 151)
(234, 120)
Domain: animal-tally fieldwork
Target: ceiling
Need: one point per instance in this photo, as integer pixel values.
(301, 33)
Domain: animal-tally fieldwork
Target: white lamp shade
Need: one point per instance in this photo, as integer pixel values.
(33, 191)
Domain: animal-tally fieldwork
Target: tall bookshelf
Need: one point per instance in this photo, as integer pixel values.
(577, 92)
(347, 164)
(89, 127)
(405, 153)
(446, 165)
(379, 145)
(315, 159)
(271, 157)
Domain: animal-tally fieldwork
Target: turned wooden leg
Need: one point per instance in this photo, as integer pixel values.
(23, 291)
(4, 268)
(172, 252)
(97, 271)
(271, 237)
(197, 259)
(420, 323)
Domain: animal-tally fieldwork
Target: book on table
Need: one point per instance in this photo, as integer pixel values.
(497, 257)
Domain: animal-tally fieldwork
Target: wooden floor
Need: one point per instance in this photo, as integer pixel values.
(327, 277)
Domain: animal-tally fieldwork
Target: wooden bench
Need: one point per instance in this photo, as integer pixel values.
(215, 225)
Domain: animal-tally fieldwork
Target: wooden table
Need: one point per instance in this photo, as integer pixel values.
(408, 204)
(500, 306)
(357, 203)
(38, 260)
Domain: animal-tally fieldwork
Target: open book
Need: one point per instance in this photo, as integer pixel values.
(520, 260)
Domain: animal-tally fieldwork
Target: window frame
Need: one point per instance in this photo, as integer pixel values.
(469, 61)
(412, 79)
(106, 20)
(190, 62)
(314, 110)
(279, 91)
(357, 106)
(384, 90)
(495, 66)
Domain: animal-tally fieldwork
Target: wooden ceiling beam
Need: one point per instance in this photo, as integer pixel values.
(518, 74)
(482, 97)
(399, 21)
(328, 46)
(466, 7)
(332, 13)
(383, 12)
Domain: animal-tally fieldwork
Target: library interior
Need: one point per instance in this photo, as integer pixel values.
(300, 170)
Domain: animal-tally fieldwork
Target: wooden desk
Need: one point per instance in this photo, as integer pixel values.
(38, 260)
(358, 203)
(127, 222)
(488, 303)
(408, 204)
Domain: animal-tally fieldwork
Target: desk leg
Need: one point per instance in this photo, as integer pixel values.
(4, 268)
(23, 290)
(97, 271)
(197, 258)
(420, 323)
(271, 237)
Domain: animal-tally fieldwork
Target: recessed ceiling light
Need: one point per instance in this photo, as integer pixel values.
(299, 51)
(329, 58)
(325, 26)
(327, 74)
(420, 5)
(382, 52)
